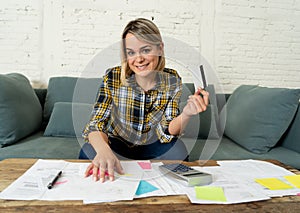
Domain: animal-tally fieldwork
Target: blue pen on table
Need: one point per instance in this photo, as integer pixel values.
(51, 184)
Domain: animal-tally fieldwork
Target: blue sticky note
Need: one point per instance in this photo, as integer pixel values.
(145, 187)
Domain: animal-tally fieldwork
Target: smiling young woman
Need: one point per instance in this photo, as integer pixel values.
(136, 115)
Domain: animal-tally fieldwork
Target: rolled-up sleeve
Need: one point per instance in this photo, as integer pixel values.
(101, 111)
(171, 112)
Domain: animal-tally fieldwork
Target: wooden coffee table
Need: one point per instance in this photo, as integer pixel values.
(11, 169)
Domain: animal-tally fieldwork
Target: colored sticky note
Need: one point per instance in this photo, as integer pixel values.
(213, 193)
(145, 187)
(145, 165)
(124, 175)
(273, 183)
(293, 179)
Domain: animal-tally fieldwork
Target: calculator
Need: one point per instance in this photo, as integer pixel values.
(186, 175)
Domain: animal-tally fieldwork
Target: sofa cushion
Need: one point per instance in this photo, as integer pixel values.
(226, 149)
(68, 119)
(70, 89)
(20, 109)
(292, 138)
(257, 117)
(39, 147)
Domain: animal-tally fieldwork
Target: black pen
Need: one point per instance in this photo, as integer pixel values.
(203, 77)
(51, 184)
(204, 84)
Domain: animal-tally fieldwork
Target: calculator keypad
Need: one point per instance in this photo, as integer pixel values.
(178, 168)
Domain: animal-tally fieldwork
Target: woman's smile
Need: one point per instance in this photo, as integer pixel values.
(142, 67)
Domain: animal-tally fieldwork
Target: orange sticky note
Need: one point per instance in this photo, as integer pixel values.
(273, 183)
(293, 179)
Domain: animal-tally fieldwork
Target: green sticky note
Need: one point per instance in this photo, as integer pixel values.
(213, 193)
(294, 179)
(273, 183)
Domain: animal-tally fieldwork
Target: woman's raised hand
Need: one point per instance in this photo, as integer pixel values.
(196, 103)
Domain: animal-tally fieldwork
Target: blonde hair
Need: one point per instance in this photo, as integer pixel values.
(144, 30)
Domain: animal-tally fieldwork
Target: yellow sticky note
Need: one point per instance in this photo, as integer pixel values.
(213, 193)
(273, 183)
(293, 179)
(123, 175)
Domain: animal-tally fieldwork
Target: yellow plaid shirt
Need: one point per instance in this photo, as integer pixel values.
(133, 114)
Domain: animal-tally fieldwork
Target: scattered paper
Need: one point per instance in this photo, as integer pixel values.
(74, 186)
(164, 185)
(233, 182)
(234, 188)
(245, 172)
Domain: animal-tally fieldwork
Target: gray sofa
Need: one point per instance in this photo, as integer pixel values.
(231, 128)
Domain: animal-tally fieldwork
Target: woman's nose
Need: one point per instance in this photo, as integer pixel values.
(139, 58)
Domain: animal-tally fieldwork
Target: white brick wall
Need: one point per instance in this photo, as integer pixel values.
(257, 42)
(20, 37)
(242, 42)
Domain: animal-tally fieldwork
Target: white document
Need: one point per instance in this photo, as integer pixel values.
(72, 185)
(234, 191)
(154, 177)
(122, 188)
(161, 182)
(246, 171)
(237, 179)
(253, 168)
(33, 183)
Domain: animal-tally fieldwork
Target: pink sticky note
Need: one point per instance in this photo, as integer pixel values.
(145, 165)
